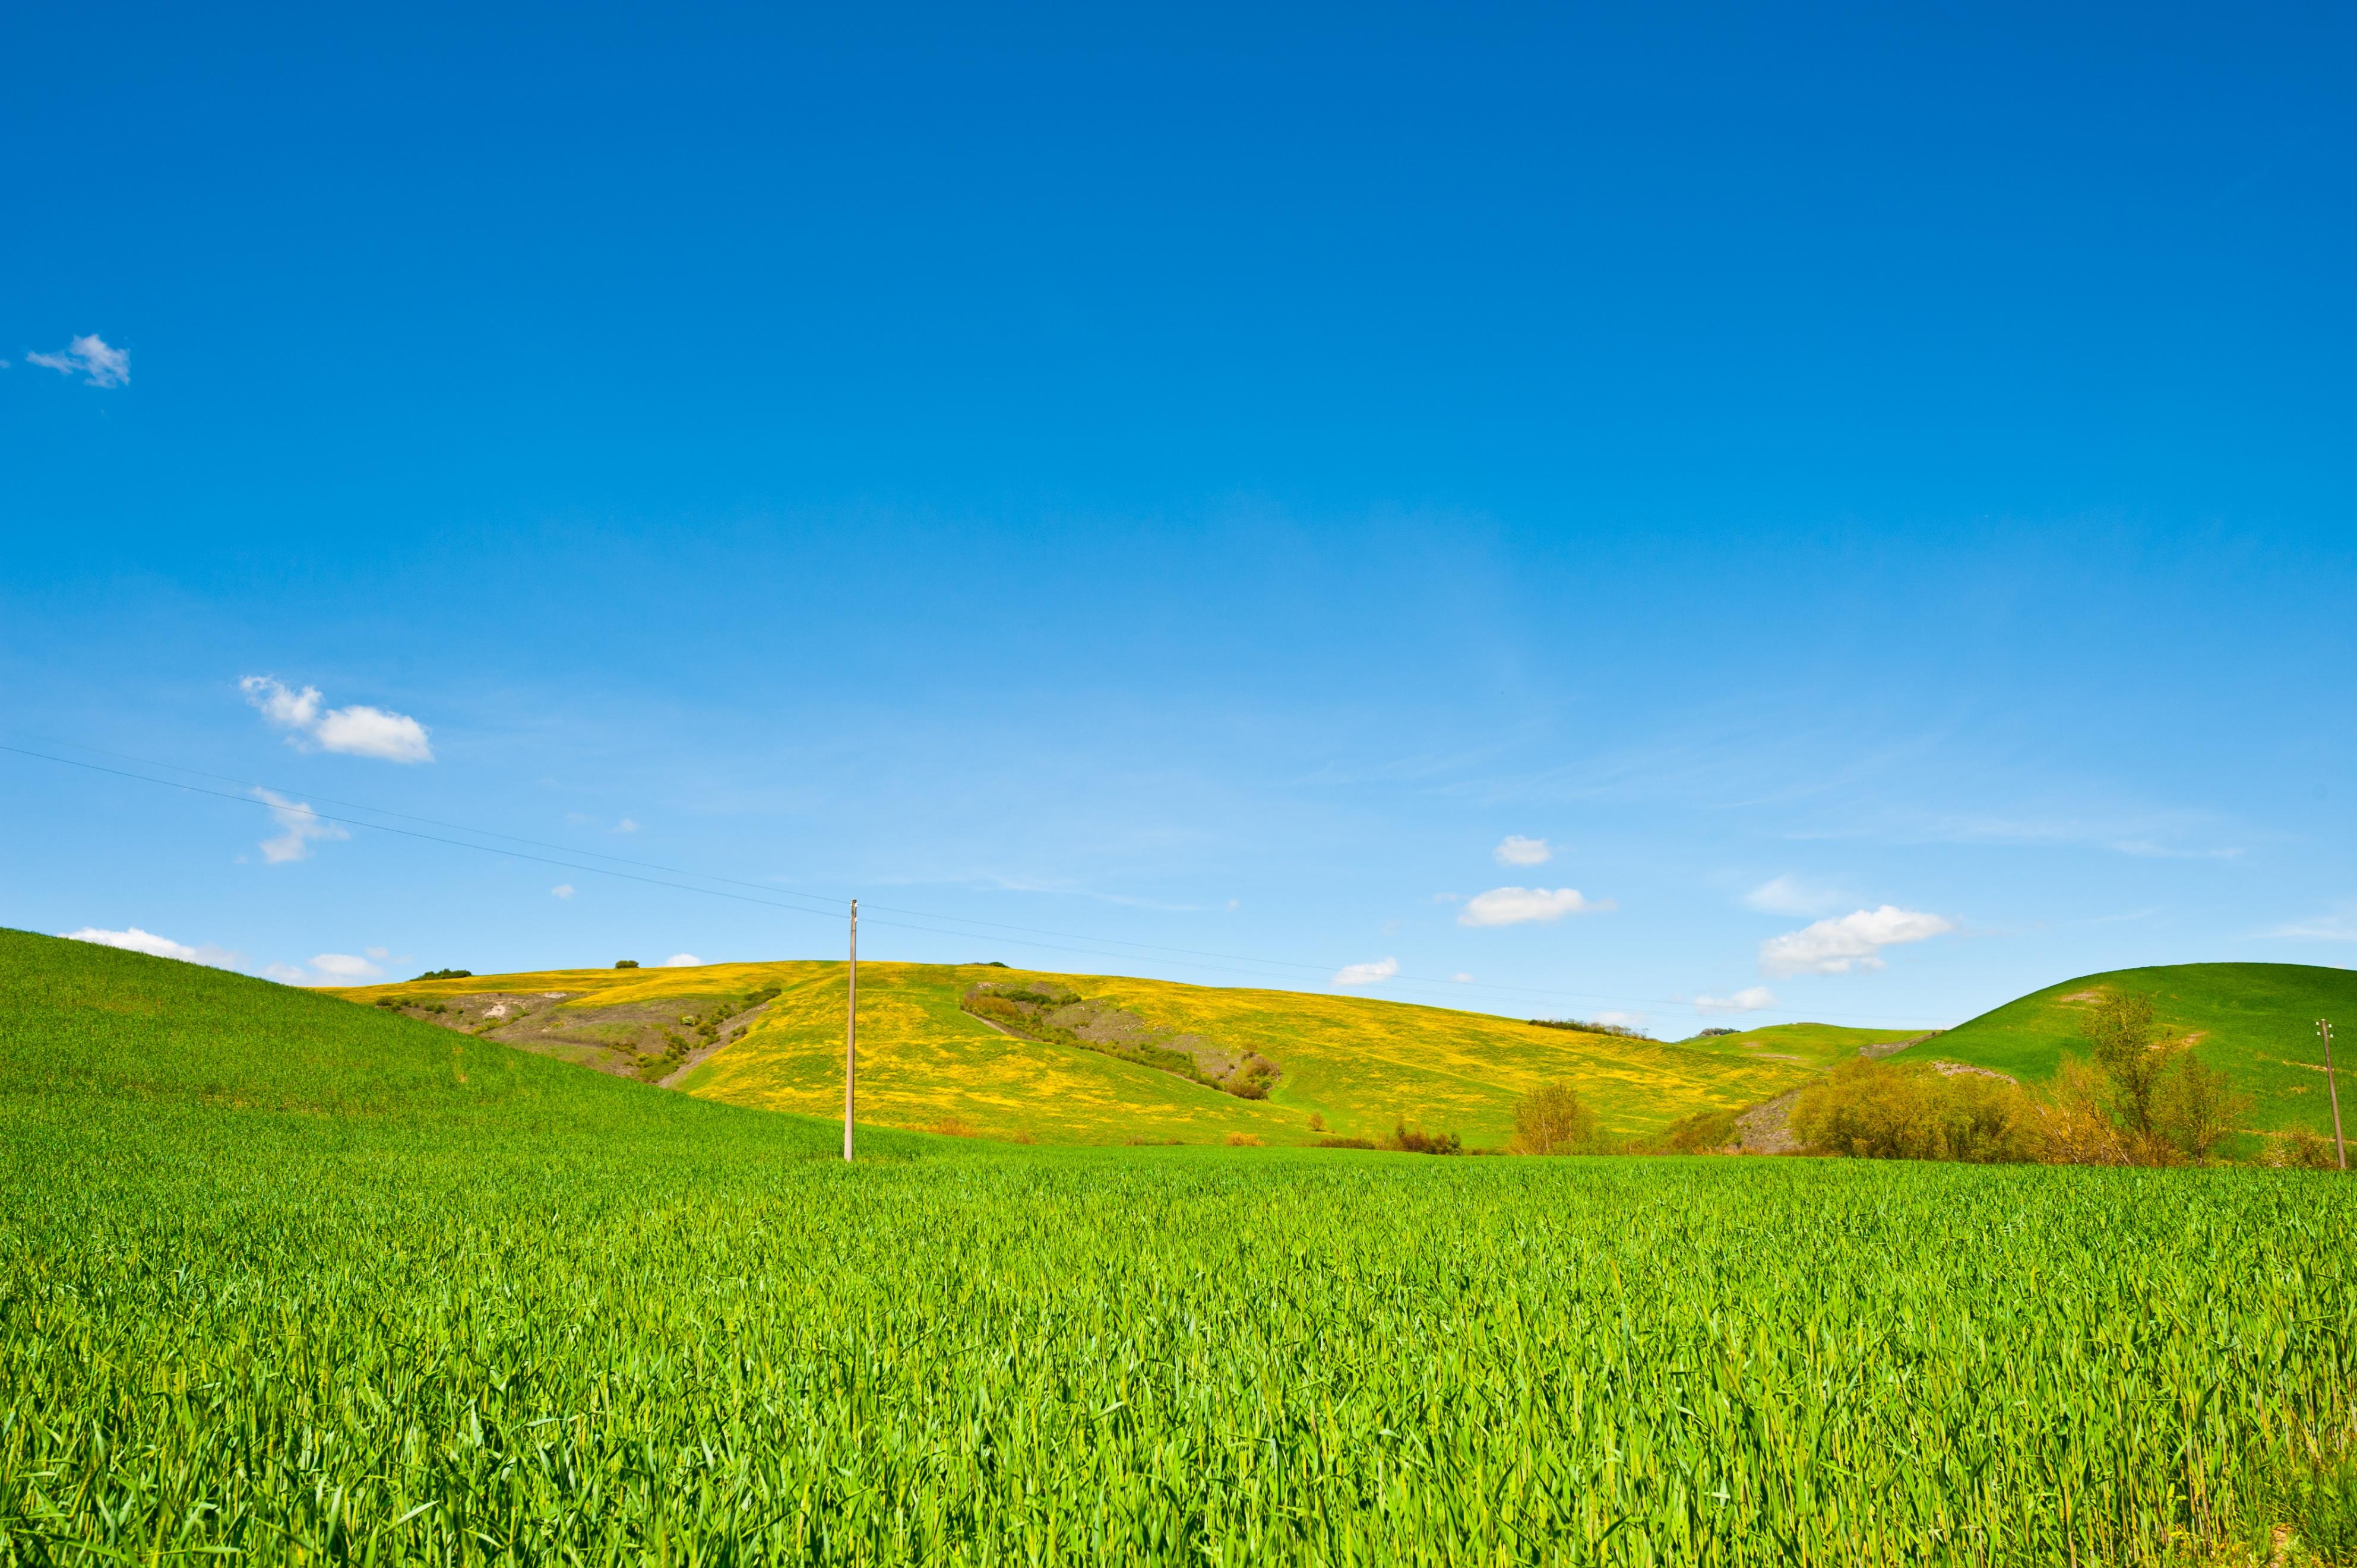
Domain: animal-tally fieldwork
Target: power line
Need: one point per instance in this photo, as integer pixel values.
(1096, 946)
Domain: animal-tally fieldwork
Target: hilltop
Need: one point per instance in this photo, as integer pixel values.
(2254, 1022)
(770, 1034)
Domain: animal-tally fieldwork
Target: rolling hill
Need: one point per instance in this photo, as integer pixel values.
(2255, 1022)
(285, 1278)
(1349, 1066)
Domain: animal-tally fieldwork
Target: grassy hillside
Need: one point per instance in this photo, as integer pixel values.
(284, 1280)
(2256, 1022)
(82, 1023)
(1814, 1045)
(1350, 1066)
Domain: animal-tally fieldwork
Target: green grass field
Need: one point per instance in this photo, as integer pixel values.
(2255, 1022)
(287, 1279)
(1356, 1065)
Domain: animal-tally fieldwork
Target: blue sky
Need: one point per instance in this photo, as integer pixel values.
(1863, 498)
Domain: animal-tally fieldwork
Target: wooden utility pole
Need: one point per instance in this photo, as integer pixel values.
(851, 1037)
(2333, 1086)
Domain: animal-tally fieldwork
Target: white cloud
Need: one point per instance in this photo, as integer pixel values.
(344, 966)
(285, 708)
(562, 890)
(681, 961)
(1750, 999)
(1849, 944)
(1516, 850)
(380, 954)
(301, 823)
(286, 973)
(1512, 905)
(360, 731)
(1622, 1020)
(356, 731)
(1366, 973)
(93, 357)
(135, 941)
(1461, 978)
(1788, 894)
(626, 826)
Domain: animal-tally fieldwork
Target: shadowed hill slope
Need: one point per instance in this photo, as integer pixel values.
(2255, 1022)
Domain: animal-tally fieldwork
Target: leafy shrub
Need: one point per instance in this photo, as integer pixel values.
(1244, 1140)
(1694, 1134)
(447, 974)
(626, 964)
(1415, 1141)
(2125, 1036)
(1348, 1143)
(1887, 1111)
(1584, 1027)
(2300, 1150)
(2195, 1107)
(1550, 1119)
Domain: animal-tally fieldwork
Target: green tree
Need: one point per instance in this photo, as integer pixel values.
(1550, 1119)
(2127, 1039)
(2195, 1107)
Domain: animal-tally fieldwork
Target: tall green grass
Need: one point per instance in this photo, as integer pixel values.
(576, 1318)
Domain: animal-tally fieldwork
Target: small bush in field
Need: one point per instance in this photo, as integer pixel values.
(1889, 1110)
(1550, 1119)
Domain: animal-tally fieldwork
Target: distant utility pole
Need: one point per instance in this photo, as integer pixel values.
(851, 1037)
(2324, 1027)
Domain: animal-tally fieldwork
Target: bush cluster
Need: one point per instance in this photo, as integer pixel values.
(2136, 1099)
(1585, 1028)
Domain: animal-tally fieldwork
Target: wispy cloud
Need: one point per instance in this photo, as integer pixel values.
(99, 362)
(1619, 1020)
(345, 967)
(1788, 894)
(562, 890)
(355, 731)
(1750, 999)
(299, 824)
(1513, 905)
(1851, 944)
(1366, 973)
(1516, 850)
(681, 961)
(2339, 926)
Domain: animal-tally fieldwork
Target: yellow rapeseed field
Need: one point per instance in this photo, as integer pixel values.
(1352, 1066)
